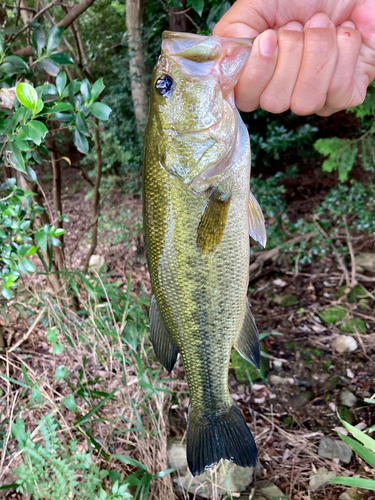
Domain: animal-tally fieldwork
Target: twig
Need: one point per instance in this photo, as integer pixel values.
(42, 11)
(8, 433)
(351, 252)
(29, 331)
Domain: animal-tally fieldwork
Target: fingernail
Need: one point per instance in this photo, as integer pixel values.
(348, 24)
(268, 43)
(293, 26)
(319, 21)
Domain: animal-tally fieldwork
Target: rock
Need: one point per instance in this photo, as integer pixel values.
(321, 478)
(286, 300)
(301, 399)
(341, 430)
(332, 448)
(225, 475)
(96, 263)
(353, 326)
(347, 398)
(365, 262)
(269, 490)
(350, 494)
(344, 343)
(333, 314)
(280, 282)
(276, 380)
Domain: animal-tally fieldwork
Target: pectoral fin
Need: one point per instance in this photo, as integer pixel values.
(257, 227)
(213, 221)
(166, 351)
(247, 343)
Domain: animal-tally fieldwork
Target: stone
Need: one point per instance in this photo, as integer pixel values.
(347, 398)
(301, 399)
(350, 494)
(365, 262)
(225, 474)
(353, 326)
(96, 262)
(321, 478)
(344, 343)
(332, 448)
(276, 380)
(269, 490)
(286, 300)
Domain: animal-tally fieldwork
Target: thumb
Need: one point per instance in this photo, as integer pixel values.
(246, 19)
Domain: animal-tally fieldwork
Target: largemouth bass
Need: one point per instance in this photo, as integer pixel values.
(198, 213)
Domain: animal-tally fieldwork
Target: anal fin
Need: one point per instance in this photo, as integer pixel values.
(257, 226)
(165, 349)
(247, 343)
(213, 221)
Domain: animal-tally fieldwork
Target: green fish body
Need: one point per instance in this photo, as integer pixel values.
(198, 212)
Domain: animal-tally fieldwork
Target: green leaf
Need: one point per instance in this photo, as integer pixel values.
(361, 436)
(61, 106)
(355, 482)
(58, 349)
(16, 158)
(60, 372)
(41, 238)
(22, 145)
(5, 292)
(163, 473)
(54, 37)
(69, 402)
(96, 408)
(27, 95)
(61, 58)
(37, 131)
(81, 142)
(49, 66)
(130, 461)
(100, 110)
(198, 6)
(82, 124)
(28, 266)
(86, 90)
(97, 89)
(56, 242)
(39, 40)
(39, 107)
(1, 44)
(52, 334)
(61, 80)
(371, 401)
(14, 381)
(363, 452)
(17, 63)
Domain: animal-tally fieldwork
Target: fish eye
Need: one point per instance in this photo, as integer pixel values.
(164, 85)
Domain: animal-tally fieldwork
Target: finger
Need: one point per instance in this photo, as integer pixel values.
(318, 65)
(257, 72)
(278, 93)
(342, 90)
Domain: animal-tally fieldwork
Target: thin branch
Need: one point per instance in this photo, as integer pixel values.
(42, 11)
(29, 331)
(351, 252)
(96, 195)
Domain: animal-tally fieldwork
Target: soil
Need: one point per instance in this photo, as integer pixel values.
(288, 420)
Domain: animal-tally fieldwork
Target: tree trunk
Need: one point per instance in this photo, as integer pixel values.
(137, 64)
(178, 20)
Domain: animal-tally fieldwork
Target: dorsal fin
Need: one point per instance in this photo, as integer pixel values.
(247, 343)
(213, 221)
(165, 349)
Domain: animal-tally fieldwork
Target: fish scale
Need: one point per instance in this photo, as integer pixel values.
(197, 242)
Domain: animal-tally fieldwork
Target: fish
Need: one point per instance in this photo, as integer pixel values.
(198, 213)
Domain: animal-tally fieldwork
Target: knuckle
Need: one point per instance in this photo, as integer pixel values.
(273, 104)
(290, 41)
(303, 107)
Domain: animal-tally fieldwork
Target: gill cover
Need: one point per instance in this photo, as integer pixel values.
(196, 116)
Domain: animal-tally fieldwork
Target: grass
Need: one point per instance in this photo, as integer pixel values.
(93, 375)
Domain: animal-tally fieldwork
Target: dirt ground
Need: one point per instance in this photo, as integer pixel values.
(289, 420)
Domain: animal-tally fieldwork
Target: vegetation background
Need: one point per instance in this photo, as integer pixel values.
(85, 410)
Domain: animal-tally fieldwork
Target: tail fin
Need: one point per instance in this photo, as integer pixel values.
(224, 435)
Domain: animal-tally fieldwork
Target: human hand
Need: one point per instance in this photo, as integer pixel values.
(312, 56)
